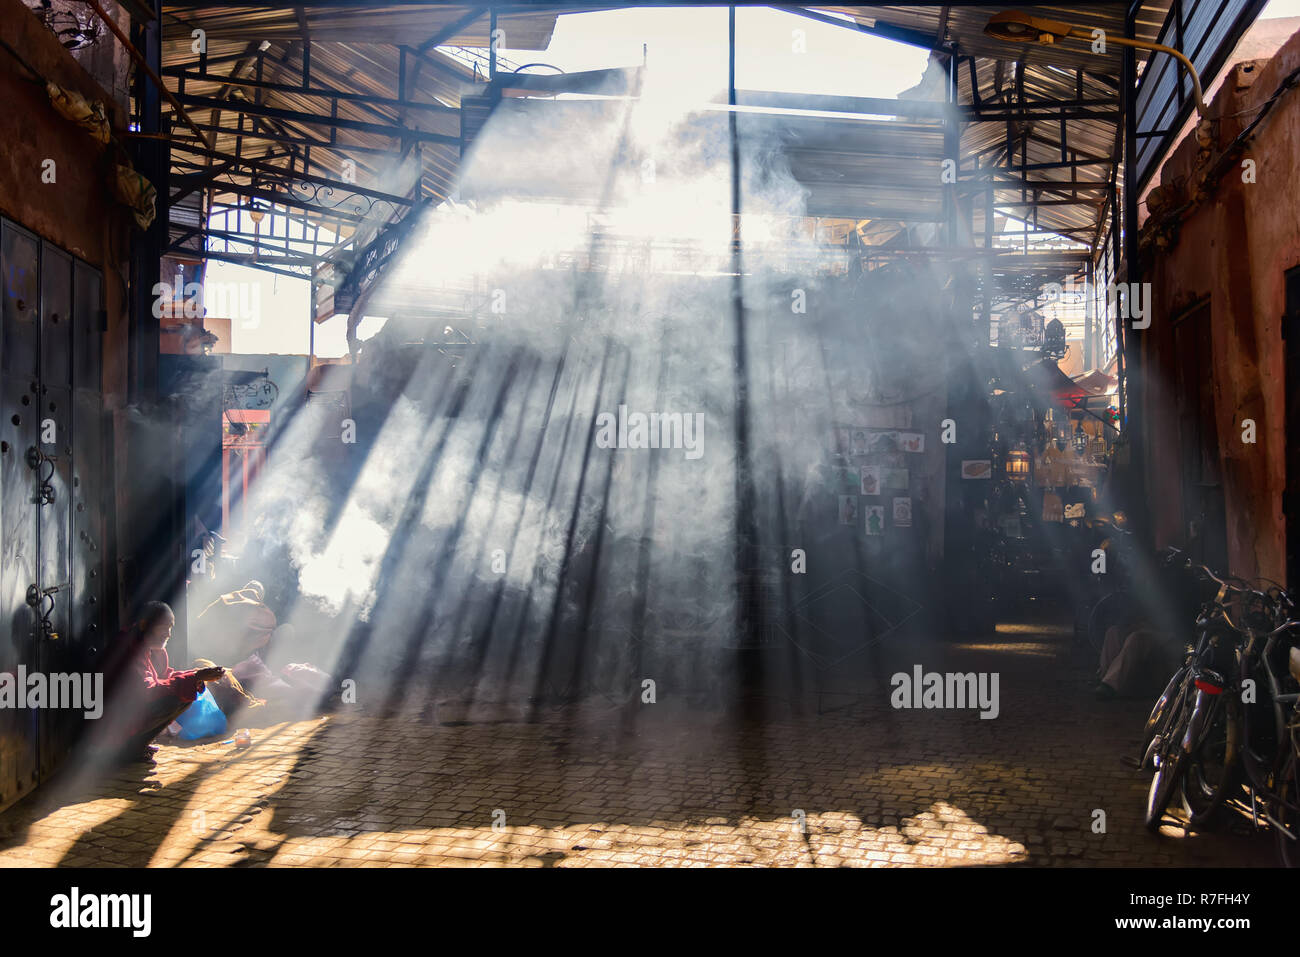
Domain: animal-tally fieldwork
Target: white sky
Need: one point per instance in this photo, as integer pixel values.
(692, 43)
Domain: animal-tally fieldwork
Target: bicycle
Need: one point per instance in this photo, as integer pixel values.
(1260, 740)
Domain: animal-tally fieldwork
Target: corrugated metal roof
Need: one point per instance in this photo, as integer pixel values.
(854, 169)
(378, 24)
(963, 26)
(1066, 71)
(353, 50)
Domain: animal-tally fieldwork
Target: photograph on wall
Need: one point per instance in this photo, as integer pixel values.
(875, 519)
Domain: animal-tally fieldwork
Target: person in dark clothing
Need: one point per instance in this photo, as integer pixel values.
(145, 693)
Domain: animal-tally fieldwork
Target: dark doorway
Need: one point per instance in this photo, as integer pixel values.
(1291, 500)
(1204, 520)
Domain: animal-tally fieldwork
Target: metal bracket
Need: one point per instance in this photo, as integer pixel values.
(46, 493)
(36, 598)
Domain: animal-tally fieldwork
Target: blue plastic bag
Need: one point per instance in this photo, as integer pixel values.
(202, 719)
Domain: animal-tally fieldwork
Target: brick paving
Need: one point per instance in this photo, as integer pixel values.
(667, 784)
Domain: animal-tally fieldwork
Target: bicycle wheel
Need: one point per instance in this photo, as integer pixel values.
(1166, 705)
(1163, 784)
(1213, 767)
(1288, 813)
(1169, 759)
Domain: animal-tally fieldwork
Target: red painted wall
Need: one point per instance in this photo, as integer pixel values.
(1231, 250)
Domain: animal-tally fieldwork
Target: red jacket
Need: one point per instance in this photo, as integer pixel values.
(154, 670)
(139, 681)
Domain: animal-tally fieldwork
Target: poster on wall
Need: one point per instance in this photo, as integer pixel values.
(911, 442)
(846, 480)
(875, 519)
(903, 512)
(894, 479)
(848, 510)
(870, 480)
(858, 444)
(883, 442)
(976, 468)
(841, 439)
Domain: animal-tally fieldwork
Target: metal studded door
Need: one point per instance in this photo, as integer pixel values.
(54, 491)
(19, 515)
(89, 428)
(51, 476)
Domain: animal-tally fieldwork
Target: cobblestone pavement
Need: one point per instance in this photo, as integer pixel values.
(860, 784)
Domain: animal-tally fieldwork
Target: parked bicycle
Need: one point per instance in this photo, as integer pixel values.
(1229, 715)
(1177, 721)
(1252, 737)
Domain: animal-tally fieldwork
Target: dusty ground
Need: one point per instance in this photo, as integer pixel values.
(669, 783)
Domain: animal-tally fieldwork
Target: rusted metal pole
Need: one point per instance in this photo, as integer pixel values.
(138, 57)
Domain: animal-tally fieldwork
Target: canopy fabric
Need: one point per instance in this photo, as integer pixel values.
(1097, 382)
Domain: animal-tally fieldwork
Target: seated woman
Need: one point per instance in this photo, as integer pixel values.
(145, 693)
(234, 626)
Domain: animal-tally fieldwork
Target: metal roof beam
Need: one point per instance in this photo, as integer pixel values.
(885, 31)
(450, 30)
(246, 260)
(289, 216)
(181, 72)
(343, 149)
(444, 68)
(272, 243)
(335, 122)
(339, 185)
(926, 109)
(342, 217)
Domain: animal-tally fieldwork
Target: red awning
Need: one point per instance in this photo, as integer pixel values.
(1048, 377)
(1096, 382)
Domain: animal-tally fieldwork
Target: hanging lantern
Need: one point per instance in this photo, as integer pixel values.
(1054, 340)
(1080, 438)
(1061, 429)
(1018, 463)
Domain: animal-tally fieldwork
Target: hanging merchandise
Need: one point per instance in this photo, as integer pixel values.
(91, 117)
(136, 192)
